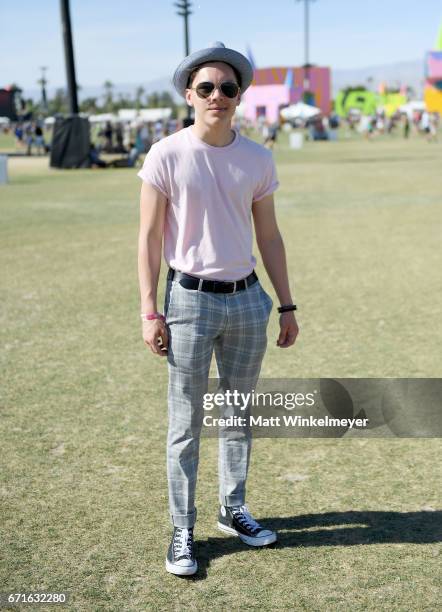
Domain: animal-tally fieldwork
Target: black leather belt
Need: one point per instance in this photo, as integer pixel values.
(193, 282)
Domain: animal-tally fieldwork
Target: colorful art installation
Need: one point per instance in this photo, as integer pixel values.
(275, 88)
(356, 99)
(433, 82)
(433, 77)
(368, 102)
(391, 101)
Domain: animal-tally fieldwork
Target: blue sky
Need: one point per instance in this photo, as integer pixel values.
(135, 41)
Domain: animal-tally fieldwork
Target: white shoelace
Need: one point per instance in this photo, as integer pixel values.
(242, 513)
(182, 542)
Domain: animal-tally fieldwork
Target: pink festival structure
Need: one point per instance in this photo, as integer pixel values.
(274, 88)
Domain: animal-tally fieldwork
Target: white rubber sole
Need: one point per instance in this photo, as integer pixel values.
(180, 570)
(264, 541)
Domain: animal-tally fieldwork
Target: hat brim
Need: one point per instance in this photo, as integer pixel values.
(212, 54)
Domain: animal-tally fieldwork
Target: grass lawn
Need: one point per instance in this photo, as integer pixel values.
(83, 403)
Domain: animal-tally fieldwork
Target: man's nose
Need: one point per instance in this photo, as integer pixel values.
(217, 93)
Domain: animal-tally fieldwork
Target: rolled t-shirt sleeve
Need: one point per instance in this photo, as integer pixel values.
(153, 170)
(268, 182)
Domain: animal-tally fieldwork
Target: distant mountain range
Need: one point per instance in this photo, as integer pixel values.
(410, 73)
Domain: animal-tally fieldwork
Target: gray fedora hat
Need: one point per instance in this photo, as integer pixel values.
(216, 52)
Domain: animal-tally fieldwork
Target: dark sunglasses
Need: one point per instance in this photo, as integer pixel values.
(228, 88)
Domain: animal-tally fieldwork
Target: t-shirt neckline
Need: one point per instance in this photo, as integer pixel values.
(212, 147)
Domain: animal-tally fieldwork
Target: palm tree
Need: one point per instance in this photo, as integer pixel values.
(108, 95)
(59, 103)
(153, 100)
(139, 92)
(89, 105)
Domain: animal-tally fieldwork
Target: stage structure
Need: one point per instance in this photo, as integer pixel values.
(71, 136)
(11, 104)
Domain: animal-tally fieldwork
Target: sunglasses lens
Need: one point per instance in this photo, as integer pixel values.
(204, 89)
(229, 89)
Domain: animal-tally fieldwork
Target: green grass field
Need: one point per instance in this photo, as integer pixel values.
(83, 406)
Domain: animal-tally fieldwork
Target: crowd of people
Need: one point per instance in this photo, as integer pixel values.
(133, 142)
(420, 122)
(326, 127)
(30, 135)
(34, 137)
(118, 137)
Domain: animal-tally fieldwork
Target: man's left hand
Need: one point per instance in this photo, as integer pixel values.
(289, 329)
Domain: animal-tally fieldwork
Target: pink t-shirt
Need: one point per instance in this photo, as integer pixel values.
(210, 190)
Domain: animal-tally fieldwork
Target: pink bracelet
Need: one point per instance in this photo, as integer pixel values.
(152, 316)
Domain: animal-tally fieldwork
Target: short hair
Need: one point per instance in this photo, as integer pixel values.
(198, 68)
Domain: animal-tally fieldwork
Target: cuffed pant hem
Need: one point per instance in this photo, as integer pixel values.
(183, 520)
(232, 500)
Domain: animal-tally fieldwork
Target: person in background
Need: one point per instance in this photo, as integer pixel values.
(261, 125)
(380, 122)
(172, 126)
(391, 123)
(433, 126)
(29, 137)
(18, 132)
(406, 125)
(139, 144)
(126, 135)
(94, 157)
(158, 131)
(129, 161)
(416, 120)
(317, 128)
(39, 140)
(272, 135)
(425, 123)
(134, 155)
(145, 137)
(108, 133)
(119, 139)
(333, 124)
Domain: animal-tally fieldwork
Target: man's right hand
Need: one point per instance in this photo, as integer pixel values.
(153, 331)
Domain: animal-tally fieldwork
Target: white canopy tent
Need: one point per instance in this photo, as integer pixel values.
(299, 111)
(154, 114)
(240, 110)
(103, 117)
(412, 106)
(127, 114)
(133, 116)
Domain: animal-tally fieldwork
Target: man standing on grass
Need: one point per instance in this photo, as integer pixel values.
(200, 188)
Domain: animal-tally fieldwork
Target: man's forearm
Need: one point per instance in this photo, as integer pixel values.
(149, 265)
(274, 260)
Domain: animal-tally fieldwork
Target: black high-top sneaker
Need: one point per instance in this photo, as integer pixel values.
(238, 521)
(180, 558)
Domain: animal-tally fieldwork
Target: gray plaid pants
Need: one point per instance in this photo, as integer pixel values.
(235, 325)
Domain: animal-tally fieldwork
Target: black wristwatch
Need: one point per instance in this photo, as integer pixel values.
(287, 308)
